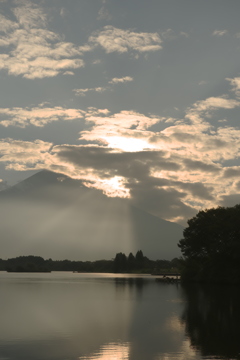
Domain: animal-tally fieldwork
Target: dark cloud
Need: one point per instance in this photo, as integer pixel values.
(230, 200)
(127, 164)
(216, 144)
(231, 172)
(197, 189)
(184, 137)
(199, 165)
(161, 202)
(237, 185)
(145, 190)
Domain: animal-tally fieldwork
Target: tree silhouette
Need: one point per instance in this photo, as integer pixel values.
(211, 245)
(120, 263)
(131, 262)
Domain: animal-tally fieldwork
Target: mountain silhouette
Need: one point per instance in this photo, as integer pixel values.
(54, 216)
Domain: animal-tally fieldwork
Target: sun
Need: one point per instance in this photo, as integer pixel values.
(127, 144)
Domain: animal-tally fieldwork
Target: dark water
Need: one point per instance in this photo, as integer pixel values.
(68, 316)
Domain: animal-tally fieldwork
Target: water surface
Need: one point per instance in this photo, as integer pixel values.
(69, 316)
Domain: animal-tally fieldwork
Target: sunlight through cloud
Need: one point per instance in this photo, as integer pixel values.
(113, 187)
(127, 144)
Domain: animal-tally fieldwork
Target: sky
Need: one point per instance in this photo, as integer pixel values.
(139, 99)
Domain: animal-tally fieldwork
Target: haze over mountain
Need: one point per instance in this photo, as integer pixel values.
(54, 216)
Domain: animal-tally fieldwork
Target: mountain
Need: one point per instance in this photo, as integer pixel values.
(52, 215)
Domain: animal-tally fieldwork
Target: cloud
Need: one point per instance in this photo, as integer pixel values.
(103, 14)
(29, 15)
(101, 165)
(117, 40)
(63, 12)
(124, 129)
(68, 73)
(37, 116)
(100, 89)
(82, 92)
(199, 141)
(197, 190)
(31, 50)
(171, 173)
(213, 103)
(120, 80)
(164, 202)
(235, 82)
(160, 181)
(21, 155)
(202, 166)
(7, 24)
(170, 34)
(97, 61)
(232, 172)
(201, 110)
(219, 32)
(203, 82)
(230, 200)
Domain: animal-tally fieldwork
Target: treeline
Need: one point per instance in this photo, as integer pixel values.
(141, 264)
(120, 264)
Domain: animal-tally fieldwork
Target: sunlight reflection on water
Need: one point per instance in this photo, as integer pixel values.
(111, 351)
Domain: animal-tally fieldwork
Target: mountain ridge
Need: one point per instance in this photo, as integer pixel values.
(50, 211)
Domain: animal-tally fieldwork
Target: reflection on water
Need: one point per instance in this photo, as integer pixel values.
(113, 351)
(66, 316)
(212, 318)
(132, 284)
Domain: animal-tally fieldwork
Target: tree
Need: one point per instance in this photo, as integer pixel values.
(211, 243)
(131, 262)
(139, 257)
(120, 263)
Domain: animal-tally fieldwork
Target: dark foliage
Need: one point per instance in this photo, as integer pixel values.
(138, 263)
(211, 245)
(120, 264)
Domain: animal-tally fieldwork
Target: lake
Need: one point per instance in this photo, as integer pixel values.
(69, 316)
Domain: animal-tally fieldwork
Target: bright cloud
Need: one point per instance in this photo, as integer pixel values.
(203, 109)
(37, 116)
(21, 155)
(112, 188)
(126, 124)
(213, 103)
(121, 80)
(31, 50)
(117, 40)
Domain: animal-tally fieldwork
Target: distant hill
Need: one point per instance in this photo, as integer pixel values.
(52, 215)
